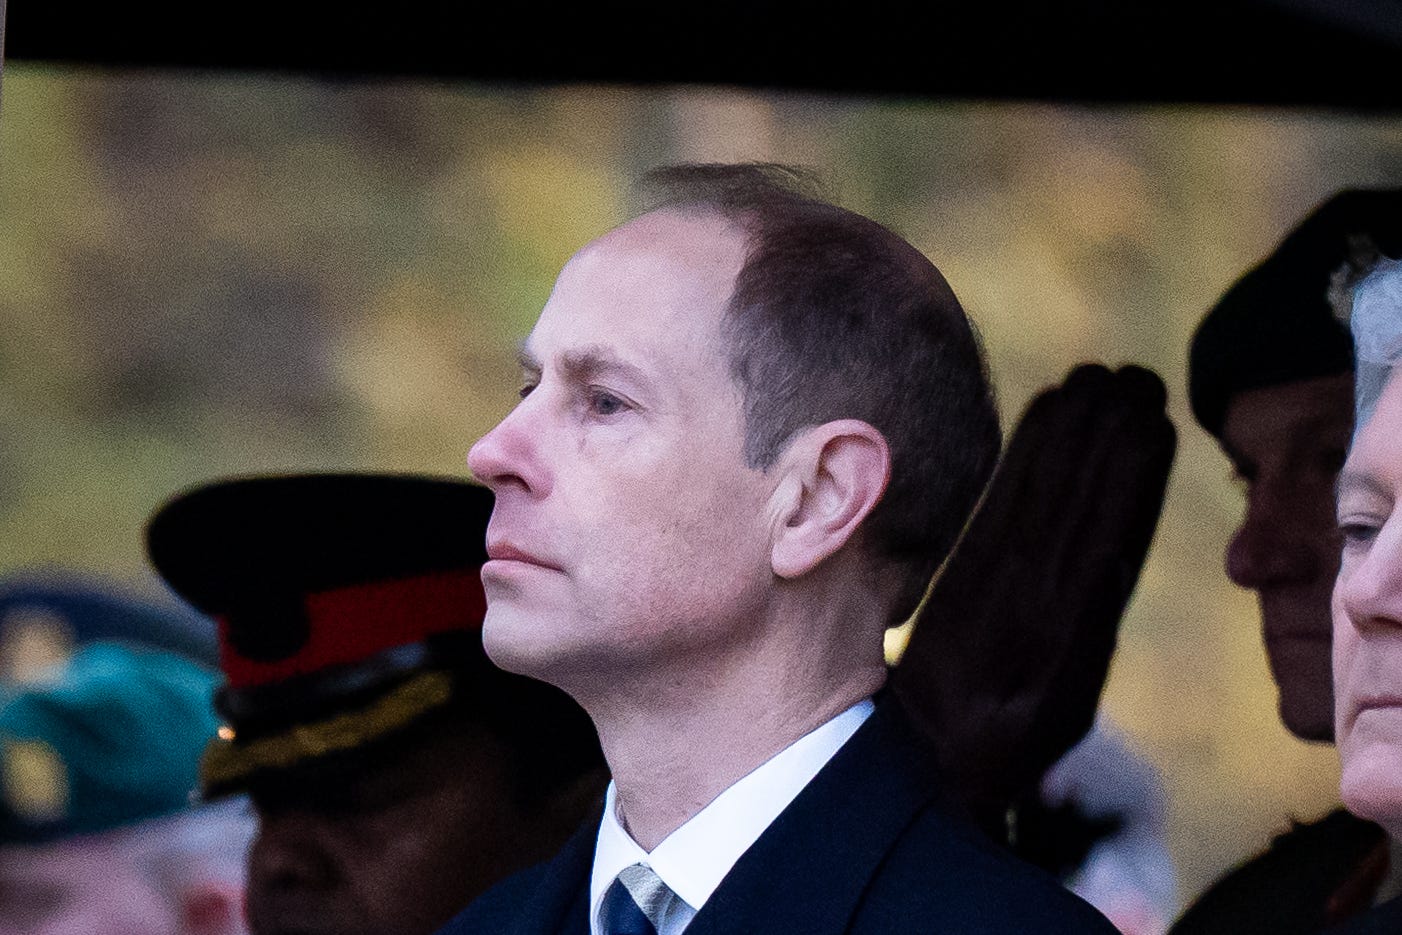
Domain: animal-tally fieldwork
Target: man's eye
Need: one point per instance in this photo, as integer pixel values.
(1356, 534)
(605, 404)
(526, 389)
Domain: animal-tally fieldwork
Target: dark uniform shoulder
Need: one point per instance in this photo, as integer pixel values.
(944, 876)
(1313, 875)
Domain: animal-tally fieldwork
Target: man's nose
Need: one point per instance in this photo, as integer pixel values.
(290, 854)
(510, 454)
(1370, 586)
(1272, 546)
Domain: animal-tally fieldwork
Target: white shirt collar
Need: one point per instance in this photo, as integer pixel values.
(693, 859)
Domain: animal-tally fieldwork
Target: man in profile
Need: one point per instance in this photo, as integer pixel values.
(1271, 378)
(751, 426)
(1271, 374)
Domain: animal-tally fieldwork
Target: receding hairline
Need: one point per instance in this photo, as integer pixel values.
(647, 234)
(730, 188)
(765, 223)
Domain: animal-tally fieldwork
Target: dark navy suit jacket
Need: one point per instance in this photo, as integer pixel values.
(866, 848)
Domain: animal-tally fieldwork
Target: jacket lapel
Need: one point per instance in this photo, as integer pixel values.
(807, 872)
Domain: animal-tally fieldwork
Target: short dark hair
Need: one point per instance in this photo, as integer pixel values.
(834, 316)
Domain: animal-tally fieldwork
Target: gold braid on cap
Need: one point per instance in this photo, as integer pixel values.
(226, 761)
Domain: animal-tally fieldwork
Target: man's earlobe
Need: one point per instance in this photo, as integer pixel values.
(212, 907)
(839, 471)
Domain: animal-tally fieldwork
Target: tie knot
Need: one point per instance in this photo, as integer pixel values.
(636, 902)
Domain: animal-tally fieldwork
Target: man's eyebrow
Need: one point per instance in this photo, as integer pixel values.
(594, 360)
(1356, 482)
(584, 364)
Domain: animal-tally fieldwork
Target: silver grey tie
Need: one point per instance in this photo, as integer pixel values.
(636, 902)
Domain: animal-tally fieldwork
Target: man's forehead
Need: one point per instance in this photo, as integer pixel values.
(675, 235)
(660, 252)
(664, 278)
(1378, 443)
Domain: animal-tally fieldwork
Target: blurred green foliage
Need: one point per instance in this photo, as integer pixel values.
(208, 274)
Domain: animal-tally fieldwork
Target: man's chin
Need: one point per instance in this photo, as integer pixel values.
(1370, 784)
(516, 642)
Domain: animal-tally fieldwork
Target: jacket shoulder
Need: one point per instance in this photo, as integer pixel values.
(943, 875)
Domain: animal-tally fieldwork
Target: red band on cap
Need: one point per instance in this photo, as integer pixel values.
(349, 625)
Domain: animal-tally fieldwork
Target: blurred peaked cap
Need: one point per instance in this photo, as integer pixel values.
(347, 604)
(69, 610)
(1275, 325)
(113, 737)
(313, 532)
(304, 572)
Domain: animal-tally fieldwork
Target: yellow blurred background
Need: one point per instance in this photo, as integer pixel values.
(208, 274)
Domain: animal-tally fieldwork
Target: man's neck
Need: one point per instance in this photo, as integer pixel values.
(670, 760)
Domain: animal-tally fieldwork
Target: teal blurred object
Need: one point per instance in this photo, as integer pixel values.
(110, 737)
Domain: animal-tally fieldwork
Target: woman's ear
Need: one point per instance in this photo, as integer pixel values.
(833, 476)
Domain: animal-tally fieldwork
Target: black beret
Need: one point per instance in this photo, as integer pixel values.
(1275, 325)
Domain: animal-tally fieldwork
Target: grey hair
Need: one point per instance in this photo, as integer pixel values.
(1372, 309)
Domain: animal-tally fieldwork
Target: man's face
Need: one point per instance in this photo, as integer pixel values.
(628, 529)
(82, 886)
(1368, 618)
(395, 845)
(1287, 443)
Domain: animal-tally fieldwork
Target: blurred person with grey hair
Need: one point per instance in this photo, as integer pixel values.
(98, 759)
(1367, 599)
(1271, 374)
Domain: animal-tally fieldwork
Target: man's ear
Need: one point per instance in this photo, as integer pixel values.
(834, 474)
(212, 907)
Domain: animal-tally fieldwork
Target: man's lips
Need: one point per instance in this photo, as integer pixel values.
(507, 552)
